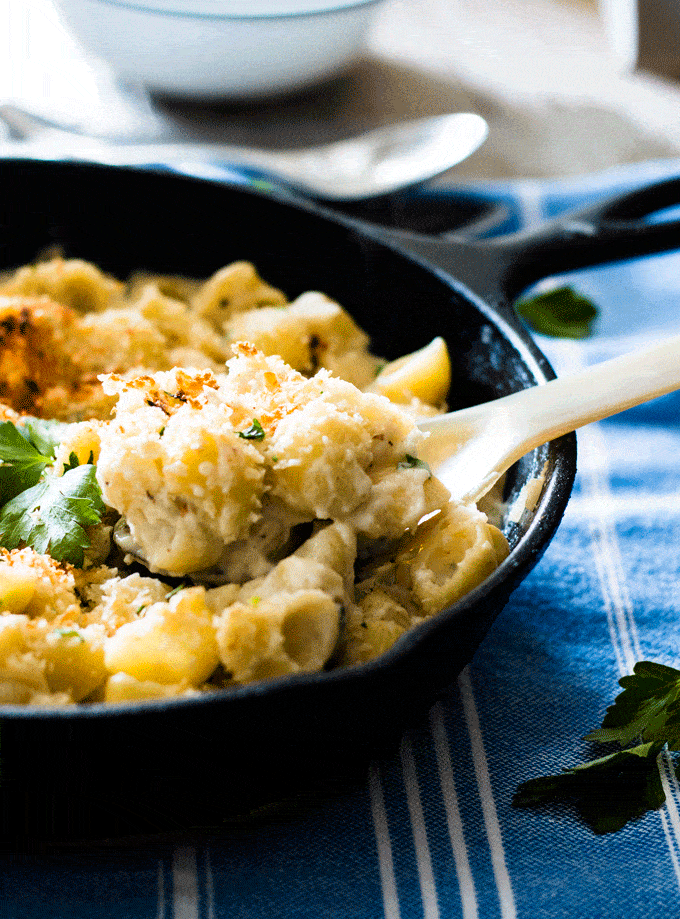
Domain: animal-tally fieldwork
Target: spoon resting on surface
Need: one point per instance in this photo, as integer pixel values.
(378, 162)
(469, 450)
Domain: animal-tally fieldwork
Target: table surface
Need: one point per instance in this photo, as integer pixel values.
(540, 71)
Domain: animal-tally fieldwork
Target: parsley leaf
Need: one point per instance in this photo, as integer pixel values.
(73, 461)
(607, 792)
(254, 432)
(611, 790)
(648, 708)
(560, 313)
(21, 463)
(44, 433)
(52, 515)
(412, 462)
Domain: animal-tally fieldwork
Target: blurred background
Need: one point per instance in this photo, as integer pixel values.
(567, 86)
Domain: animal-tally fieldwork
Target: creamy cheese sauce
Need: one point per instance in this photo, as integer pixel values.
(265, 512)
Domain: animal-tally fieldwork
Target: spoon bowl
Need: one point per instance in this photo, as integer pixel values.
(376, 163)
(471, 449)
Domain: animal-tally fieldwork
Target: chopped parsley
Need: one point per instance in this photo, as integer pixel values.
(412, 462)
(254, 432)
(69, 633)
(176, 590)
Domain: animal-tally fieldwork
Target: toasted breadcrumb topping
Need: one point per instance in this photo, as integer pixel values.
(263, 512)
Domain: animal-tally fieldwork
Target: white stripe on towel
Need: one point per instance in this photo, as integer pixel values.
(468, 896)
(160, 913)
(530, 200)
(428, 889)
(184, 884)
(669, 813)
(506, 896)
(626, 504)
(607, 551)
(209, 887)
(382, 839)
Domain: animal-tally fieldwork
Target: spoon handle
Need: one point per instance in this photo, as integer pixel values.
(472, 448)
(562, 405)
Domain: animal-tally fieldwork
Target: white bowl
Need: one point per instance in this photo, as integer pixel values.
(217, 49)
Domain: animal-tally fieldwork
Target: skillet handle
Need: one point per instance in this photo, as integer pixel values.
(498, 269)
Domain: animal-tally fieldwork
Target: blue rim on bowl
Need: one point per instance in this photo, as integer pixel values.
(216, 9)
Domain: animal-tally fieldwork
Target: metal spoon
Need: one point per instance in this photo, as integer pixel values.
(378, 162)
(469, 450)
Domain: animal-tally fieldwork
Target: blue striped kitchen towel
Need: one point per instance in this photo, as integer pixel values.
(431, 832)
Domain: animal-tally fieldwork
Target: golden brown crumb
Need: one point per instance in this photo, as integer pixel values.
(32, 354)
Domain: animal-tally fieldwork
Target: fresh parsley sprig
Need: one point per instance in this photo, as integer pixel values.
(49, 513)
(613, 789)
(560, 313)
(44, 433)
(26, 449)
(648, 708)
(21, 462)
(51, 517)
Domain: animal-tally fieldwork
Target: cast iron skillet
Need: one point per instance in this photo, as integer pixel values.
(403, 290)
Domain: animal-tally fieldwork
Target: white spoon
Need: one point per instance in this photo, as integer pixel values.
(378, 162)
(469, 450)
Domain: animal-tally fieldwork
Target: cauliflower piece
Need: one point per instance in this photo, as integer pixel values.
(233, 289)
(424, 375)
(311, 332)
(22, 671)
(121, 688)
(374, 625)
(448, 557)
(113, 600)
(323, 562)
(74, 661)
(182, 329)
(37, 586)
(71, 282)
(38, 660)
(283, 634)
(34, 335)
(172, 642)
(345, 456)
(175, 468)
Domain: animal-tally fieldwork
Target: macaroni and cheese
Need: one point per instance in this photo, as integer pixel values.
(257, 505)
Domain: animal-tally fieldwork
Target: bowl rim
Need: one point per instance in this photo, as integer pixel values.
(201, 9)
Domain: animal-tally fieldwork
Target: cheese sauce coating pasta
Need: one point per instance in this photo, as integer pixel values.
(265, 511)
